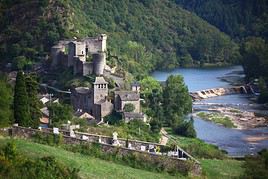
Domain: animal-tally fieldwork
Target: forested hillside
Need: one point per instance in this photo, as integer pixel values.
(238, 18)
(143, 35)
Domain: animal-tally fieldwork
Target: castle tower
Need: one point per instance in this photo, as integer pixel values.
(103, 39)
(76, 49)
(99, 62)
(56, 54)
(100, 91)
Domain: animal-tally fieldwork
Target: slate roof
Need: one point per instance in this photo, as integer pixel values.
(128, 95)
(82, 90)
(100, 80)
(135, 84)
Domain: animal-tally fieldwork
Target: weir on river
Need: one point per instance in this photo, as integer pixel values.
(213, 92)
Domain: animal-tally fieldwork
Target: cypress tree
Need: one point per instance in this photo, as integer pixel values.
(21, 106)
(5, 103)
(34, 103)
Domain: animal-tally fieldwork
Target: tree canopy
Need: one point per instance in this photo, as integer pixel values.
(5, 103)
(21, 103)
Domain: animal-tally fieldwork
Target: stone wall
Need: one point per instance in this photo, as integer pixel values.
(105, 147)
(135, 103)
(125, 143)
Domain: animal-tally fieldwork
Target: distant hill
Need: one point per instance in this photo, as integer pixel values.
(238, 18)
(143, 34)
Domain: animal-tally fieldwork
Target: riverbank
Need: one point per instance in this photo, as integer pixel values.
(231, 140)
(233, 118)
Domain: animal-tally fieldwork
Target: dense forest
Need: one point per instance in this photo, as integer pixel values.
(143, 35)
(238, 18)
(246, 22)
(159, 34)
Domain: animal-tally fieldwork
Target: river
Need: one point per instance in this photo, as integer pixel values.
(233, 141)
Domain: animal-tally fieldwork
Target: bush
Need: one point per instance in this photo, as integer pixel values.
(185, 129)
(256, 166)
(18, 166)
(129, 107)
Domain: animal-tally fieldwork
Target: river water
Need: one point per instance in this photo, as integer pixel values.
(232, 140)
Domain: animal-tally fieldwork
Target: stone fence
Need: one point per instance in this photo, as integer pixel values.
(107, 147)
(127, 143)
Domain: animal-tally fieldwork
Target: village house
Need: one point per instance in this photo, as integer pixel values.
(92, 100)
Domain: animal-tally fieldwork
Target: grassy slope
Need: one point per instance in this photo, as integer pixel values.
(212, 168)
(222, 168)
(89, 167)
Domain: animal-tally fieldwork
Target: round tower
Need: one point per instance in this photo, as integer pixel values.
(55, 55)
(99, 62)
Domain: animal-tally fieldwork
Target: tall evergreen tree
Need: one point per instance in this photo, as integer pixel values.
(34, 103)
(5, 103)
(21, 106)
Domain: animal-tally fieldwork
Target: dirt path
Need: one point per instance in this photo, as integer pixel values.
(164, 137)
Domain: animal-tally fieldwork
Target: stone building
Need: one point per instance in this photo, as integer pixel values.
(73, 53)
(126, 97)
(93, 101)
(128, 116)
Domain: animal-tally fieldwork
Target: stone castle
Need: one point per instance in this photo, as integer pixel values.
(94, 101)
(86, 56)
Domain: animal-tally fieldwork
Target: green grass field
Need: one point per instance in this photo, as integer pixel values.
(89, 167)
(221, 169)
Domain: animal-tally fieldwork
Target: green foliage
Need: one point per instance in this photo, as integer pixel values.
(90, 167)
(135, 160)
(15, 165)
(186, 128)
(256, 166)
(59, 113)
(198, 148)
(26, 104)
(5, 102)
(148, 85)
(155, 125)
(142, 36)
(255, 57)
(176, 100)
(217, 118)
(32, 87)
(21, 102)
(113, 118)
(238, 18)
(227, 168)
(20, 62)
(10, 151)
(129, 107)
(50, 139)
(171, 44)
(255, 63)
(26, 37)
